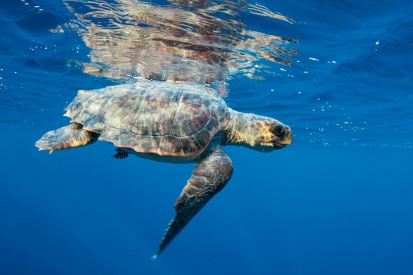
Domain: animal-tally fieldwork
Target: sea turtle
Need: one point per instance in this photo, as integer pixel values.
(177, 123)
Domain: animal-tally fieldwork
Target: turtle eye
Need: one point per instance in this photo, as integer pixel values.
(278, 130)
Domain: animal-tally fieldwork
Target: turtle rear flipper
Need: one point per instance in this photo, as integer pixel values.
(209, 177)
(67, 137)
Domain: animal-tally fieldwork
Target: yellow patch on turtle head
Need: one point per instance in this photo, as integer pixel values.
(271, 134)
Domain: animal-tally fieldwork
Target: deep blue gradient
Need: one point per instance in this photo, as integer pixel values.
(338, 201)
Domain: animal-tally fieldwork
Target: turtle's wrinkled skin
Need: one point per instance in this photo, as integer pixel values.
(177, 123)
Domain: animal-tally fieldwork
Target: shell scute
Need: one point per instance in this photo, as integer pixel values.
(145, 144)
(192, 114)
(172, 145)
(203, 137)
(190, 145)
(212, 124)
(156, 113)
(224, 120)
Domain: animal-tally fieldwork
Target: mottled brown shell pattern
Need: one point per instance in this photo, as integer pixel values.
(152, 117)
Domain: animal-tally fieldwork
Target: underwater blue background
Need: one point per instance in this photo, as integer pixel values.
(339, 200)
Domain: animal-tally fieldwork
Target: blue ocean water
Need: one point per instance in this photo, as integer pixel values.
(337, 201)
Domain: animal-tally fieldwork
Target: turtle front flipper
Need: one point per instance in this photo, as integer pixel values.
(67, 137)
(209, 177)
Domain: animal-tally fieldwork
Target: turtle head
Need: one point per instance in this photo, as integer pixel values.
(270, 134)
(260, 133)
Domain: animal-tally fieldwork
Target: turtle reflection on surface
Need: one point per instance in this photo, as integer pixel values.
(205, 45)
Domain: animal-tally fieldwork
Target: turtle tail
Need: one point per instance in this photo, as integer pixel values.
(70, 136)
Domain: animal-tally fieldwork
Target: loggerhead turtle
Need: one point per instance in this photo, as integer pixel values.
(177, 123)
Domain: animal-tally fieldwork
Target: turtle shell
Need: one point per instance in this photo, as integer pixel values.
(152, 117)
